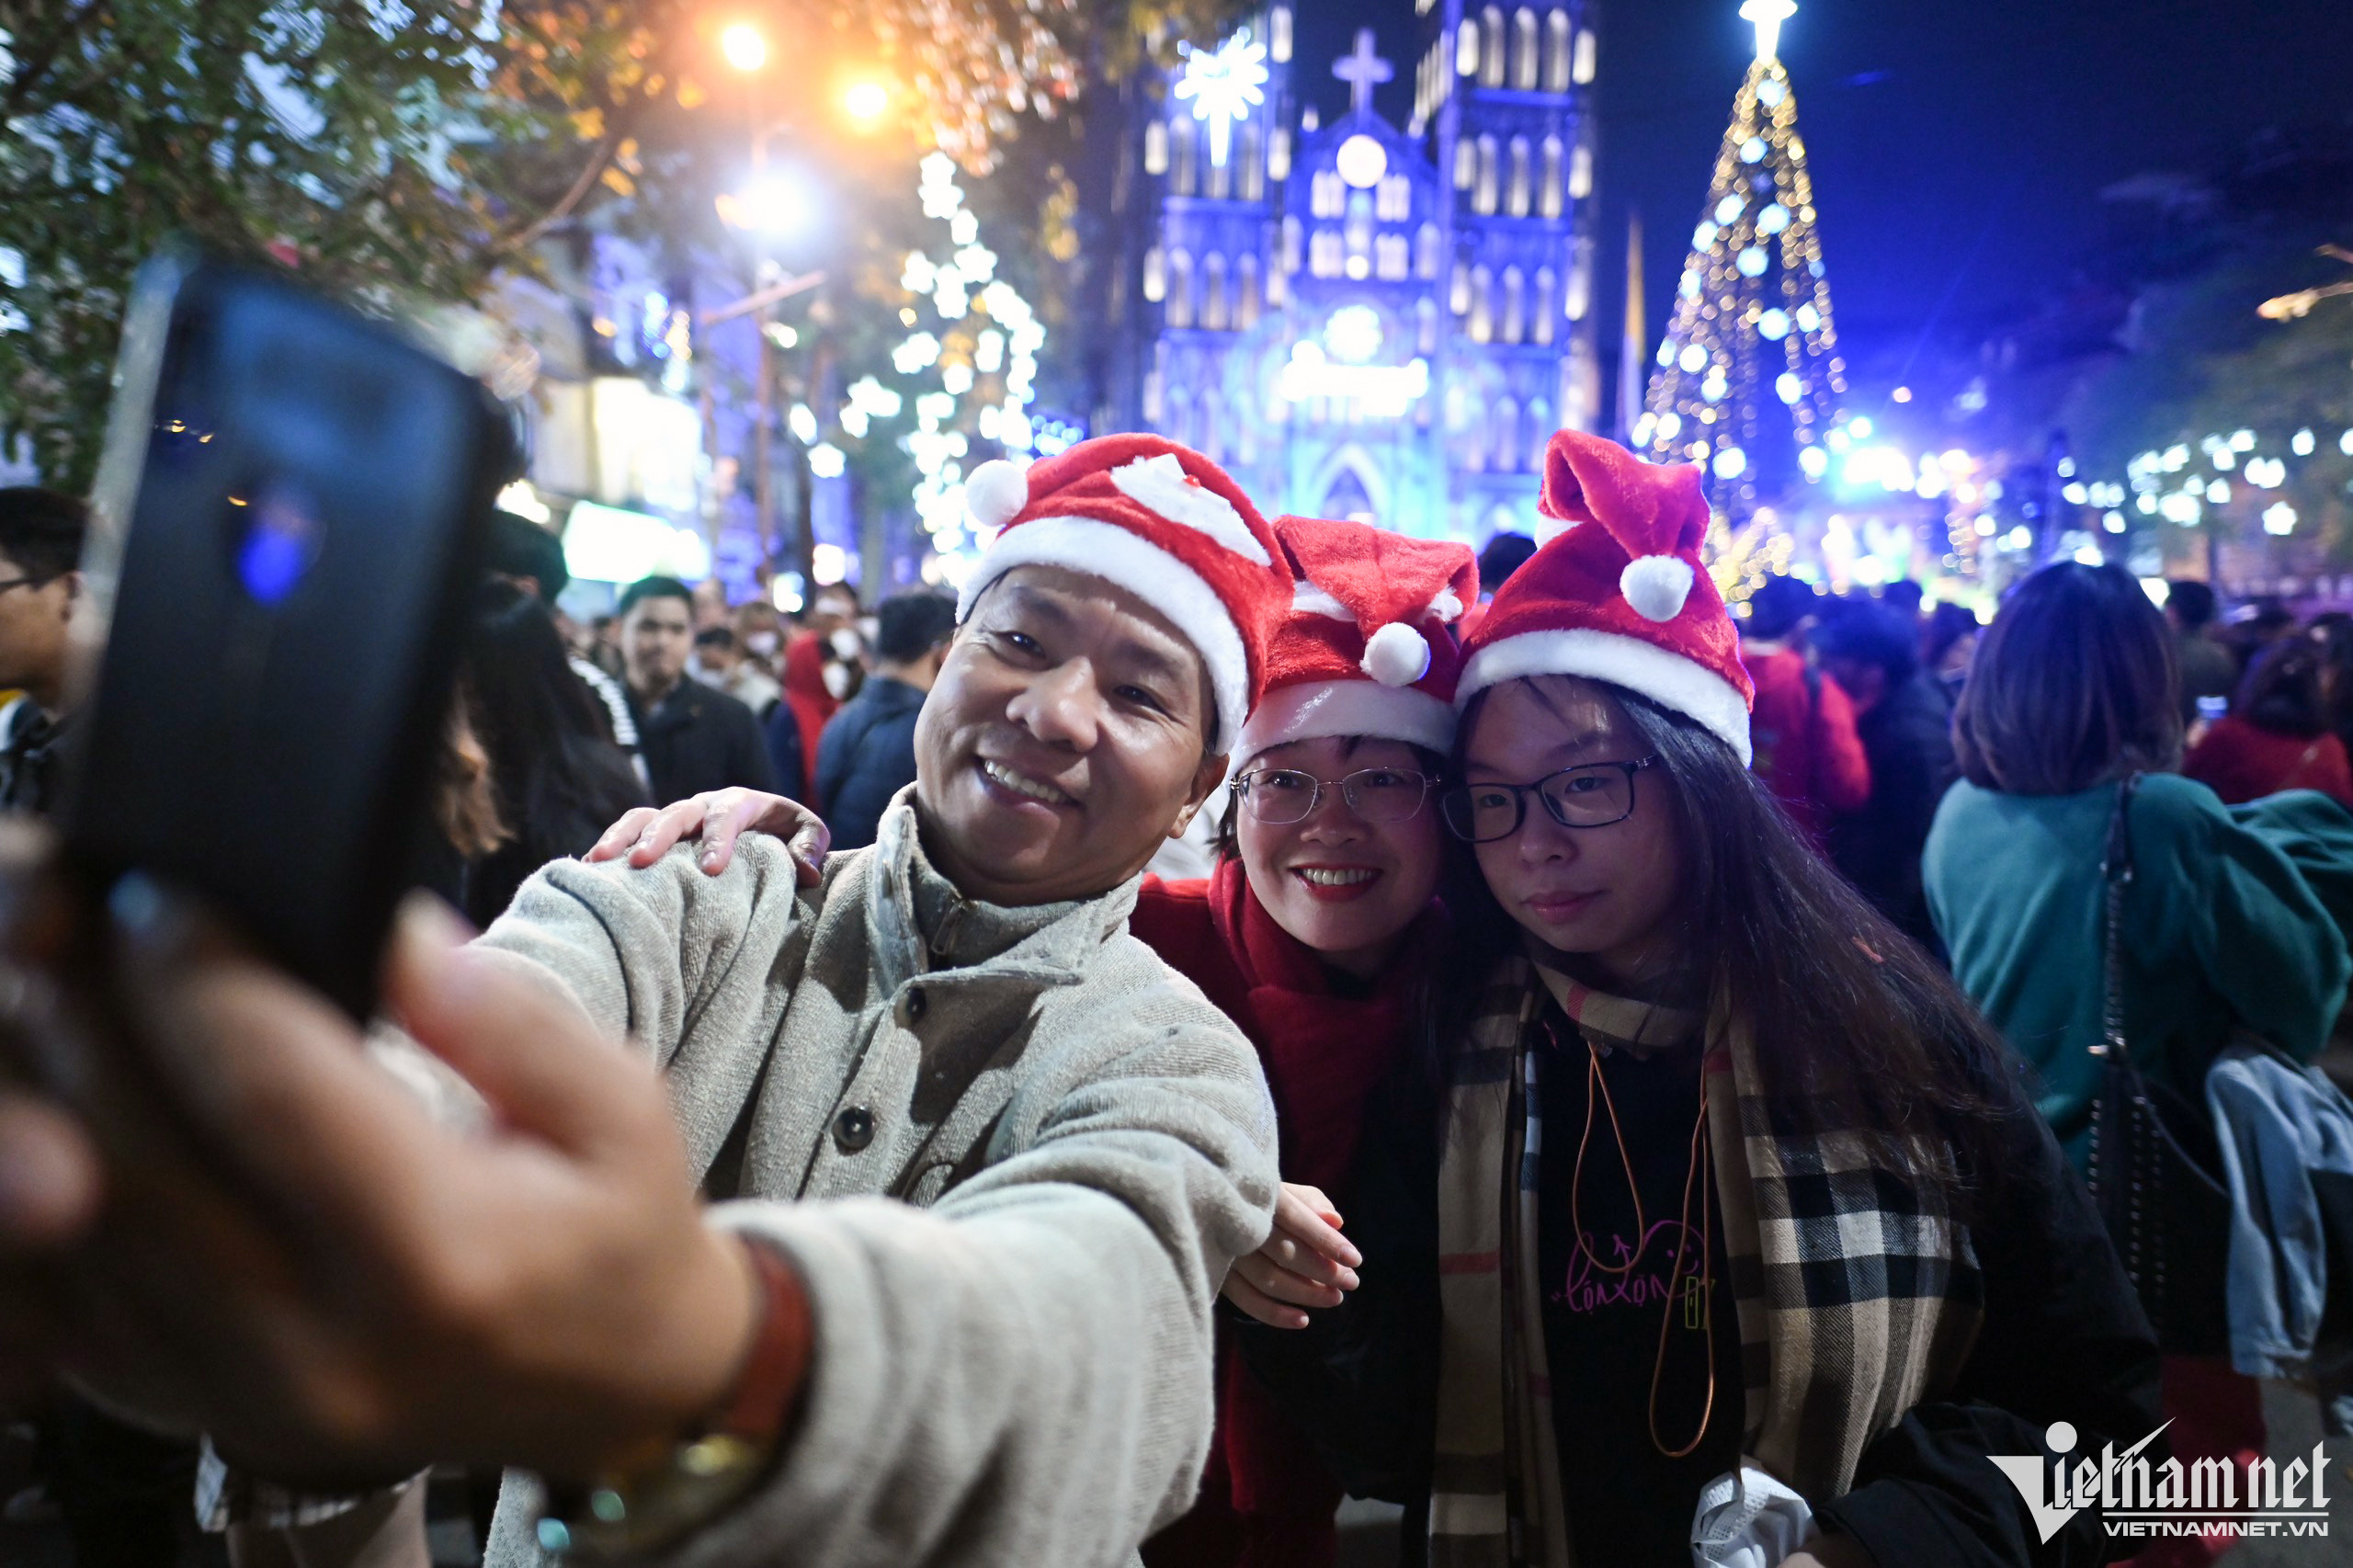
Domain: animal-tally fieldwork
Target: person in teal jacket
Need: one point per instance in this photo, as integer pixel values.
(2234, 919)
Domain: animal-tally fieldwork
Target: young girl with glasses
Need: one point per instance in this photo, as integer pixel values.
(1741, 1236)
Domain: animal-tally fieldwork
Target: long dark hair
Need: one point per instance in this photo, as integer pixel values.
(559, 777)
(1854, 1026)
(2075, 685)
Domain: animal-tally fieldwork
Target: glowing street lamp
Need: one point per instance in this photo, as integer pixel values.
(744, 46)
(772, 204)
(866, 101)
(1769, 15)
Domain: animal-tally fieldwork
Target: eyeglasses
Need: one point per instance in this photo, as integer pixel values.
(1594, 795)
(1277, 796)
(24, 583)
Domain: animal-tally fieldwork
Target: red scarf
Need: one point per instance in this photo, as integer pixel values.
(1322, 1056)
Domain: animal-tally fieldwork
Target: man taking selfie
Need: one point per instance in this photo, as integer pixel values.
(1009, 1363)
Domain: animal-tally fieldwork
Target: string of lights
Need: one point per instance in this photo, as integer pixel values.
(1753, 295)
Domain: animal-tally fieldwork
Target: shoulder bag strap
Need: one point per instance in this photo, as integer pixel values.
(2116, 869)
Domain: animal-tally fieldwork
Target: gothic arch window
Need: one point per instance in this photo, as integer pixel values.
(1515, 305)
(1279, 34)
(1327, 196)
(1291, 246)
(1211, 442)
(1428, 254)
(1426, 326)
(1483, 198)
(1546, 286)
(1519, 176)
(1581, 172)
(1466, 48)
(1220, 182)
(1538, 433)
(1155, 147)
(1395, 201)
(1580, 298)
(1471, 444)
(1180, 289)
(1586, 52)
(1459, 293)
(1505, 432)
(1278, 153)
(1155, 275)
(1252, 164)
(1245, 292)
(1482, 305)
(1466, 164)
(1214, 314)
(1181, 158)
(1491, 61)
(1524, 61)
(1547, 187)
(1390, 259)
(1326, 254)
(1556, 52)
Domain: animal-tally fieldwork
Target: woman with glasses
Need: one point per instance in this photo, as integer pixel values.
(1314, 934)
(1740, 1236)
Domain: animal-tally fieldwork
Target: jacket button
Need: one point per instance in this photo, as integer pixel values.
(916, 1004)
(854, 1129)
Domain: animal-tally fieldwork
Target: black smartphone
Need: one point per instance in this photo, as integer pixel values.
(289, 513)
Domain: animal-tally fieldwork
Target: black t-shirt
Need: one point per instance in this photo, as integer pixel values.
(1627, 1503)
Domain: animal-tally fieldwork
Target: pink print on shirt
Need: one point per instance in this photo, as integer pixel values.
(1589, 1289)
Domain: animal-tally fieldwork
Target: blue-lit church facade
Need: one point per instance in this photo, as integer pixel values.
(1356, 319)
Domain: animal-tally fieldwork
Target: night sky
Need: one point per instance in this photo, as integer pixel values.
(1958, 150)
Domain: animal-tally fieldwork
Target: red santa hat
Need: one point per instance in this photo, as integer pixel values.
(1366, 648)
(1161, 522)
(1615, 592)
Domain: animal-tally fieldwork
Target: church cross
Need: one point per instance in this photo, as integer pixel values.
(1361, 70)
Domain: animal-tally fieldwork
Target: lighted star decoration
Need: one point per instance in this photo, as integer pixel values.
(1223, 85)
(1769, 15)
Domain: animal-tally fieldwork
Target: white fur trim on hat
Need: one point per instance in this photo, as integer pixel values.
(1314, 709)
(1160, 483)
(1308, 599)
(1396, 655)
(1448, 606)
(1669, 679)
(1123, 557)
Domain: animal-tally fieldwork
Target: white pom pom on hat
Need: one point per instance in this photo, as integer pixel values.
(1396, 655)
(1657, 585)
(995, 492)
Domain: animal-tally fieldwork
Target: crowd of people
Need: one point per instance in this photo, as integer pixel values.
(1624, 1091)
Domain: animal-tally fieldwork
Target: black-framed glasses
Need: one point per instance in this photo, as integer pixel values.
(1278, 796)
(1594, 795)
(24, 583)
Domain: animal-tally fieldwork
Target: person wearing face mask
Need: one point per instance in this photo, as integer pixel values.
(1745, 1244)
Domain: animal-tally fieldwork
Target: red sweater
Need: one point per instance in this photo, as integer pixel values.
(2241, 762)
(1808, 754)
(1266, 1501)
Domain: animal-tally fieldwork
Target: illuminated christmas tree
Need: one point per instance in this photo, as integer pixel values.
(1752, 353)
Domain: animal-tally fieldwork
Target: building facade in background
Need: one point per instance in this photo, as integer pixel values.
(1356, 319)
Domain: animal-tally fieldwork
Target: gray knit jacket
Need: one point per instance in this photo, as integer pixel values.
(1009, 1152)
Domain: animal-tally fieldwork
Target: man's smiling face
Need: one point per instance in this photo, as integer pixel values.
(1067, 737)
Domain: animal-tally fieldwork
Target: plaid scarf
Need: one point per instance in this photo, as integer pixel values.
(1858, 1294)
